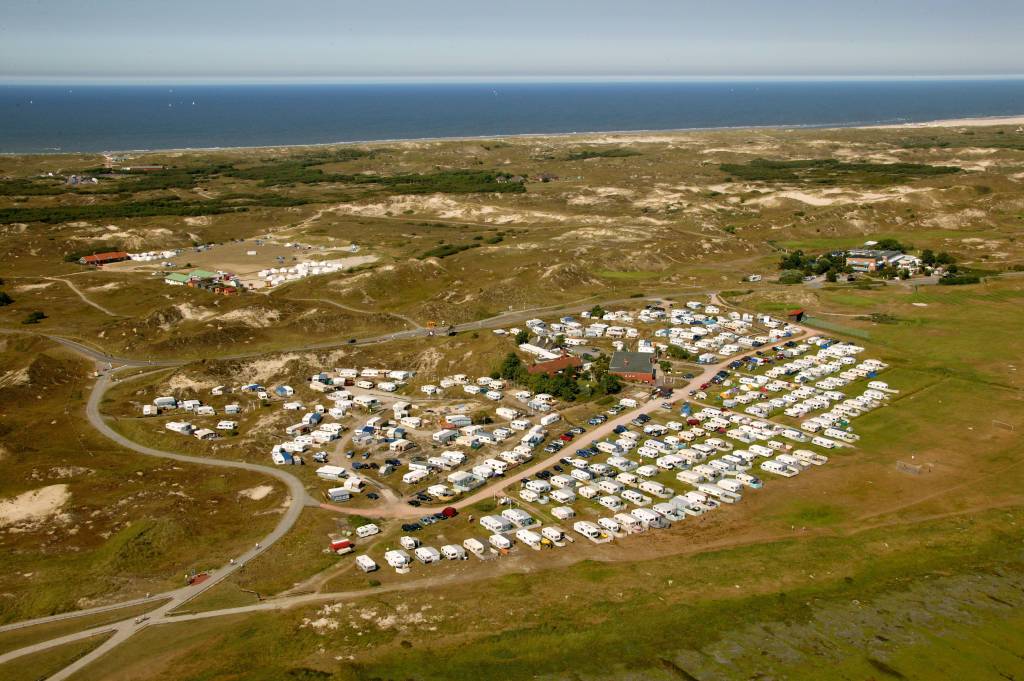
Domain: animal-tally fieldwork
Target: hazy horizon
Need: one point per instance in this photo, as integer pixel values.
(323, 40)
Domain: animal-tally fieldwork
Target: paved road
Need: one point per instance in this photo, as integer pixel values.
(121, 631)
(497, 321)
(124, 629)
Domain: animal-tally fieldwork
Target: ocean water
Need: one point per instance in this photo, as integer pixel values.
(117, 118)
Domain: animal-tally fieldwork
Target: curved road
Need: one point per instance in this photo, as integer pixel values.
(299, 498)
(121, 631)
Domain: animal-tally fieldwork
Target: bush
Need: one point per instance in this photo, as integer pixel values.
(34, 317)
(959, 279)
(5, 299)
(791, 277)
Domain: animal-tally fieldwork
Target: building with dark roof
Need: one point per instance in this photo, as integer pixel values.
(633, 366)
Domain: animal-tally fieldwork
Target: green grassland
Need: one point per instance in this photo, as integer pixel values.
(45, 663)
(875, 572)
(130, 524)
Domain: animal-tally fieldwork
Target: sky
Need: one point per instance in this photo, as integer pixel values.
(327, 40)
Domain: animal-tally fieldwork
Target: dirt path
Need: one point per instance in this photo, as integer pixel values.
(408, 320)
(84, 298)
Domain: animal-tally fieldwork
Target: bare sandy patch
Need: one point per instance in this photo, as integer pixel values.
(33, 506)
(34, 287)
(193, 313)
(9, 379)
(257, 493)
(255, 317)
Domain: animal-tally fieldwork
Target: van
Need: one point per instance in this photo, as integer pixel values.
(749, 480)
(427, 554)
(647, 471)
(500, 542)
(636, 498)
(670, 511)
(738, 463)
(366, 564)
(629, 523)
(655, 488)
(611, 502)
(718, 493)
(530, 538)
(474, 546)
(734, 486)
(690, 477)
(824, 441)
(649, 519)
(793, 461)
(811, 457)
(367, 530)
(779, 468)
(552, 533)
(581, 475)
(453, 552)
(548, 419)
(589, 530)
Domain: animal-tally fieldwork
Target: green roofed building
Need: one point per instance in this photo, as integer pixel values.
(176, 279)
(202, 274)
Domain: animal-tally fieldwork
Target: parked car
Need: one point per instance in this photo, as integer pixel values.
(373, 495)
(411, 527)
(414, 503)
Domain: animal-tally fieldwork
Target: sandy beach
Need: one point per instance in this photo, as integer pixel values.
(960, 122)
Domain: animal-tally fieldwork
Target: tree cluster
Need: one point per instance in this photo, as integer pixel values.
(570, 384)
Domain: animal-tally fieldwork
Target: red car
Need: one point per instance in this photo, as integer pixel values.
(565, 437)
(449, 511)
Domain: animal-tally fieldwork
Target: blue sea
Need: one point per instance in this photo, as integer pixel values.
(118, 118)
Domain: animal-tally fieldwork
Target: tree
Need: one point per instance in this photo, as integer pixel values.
(512, 368)
(892, 245)
(831, 276)
(944, 258)
(904, 274)
(559, 339)
(34, 317)
(665, 365)
(522, 337)
(597, 312)
(928, 256)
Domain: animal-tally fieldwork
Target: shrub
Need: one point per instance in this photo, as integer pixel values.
(791, 277)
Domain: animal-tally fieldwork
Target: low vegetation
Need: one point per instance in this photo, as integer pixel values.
(829, 171)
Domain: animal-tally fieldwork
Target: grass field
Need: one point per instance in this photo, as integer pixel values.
(858, 565)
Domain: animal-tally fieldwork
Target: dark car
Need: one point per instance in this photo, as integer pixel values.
(422, 497)
(373, 495)
(414, 502)
(411, 527)
(351, 340)
(558, 468)
(619, 430)
(544, 475)
(393, 462)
